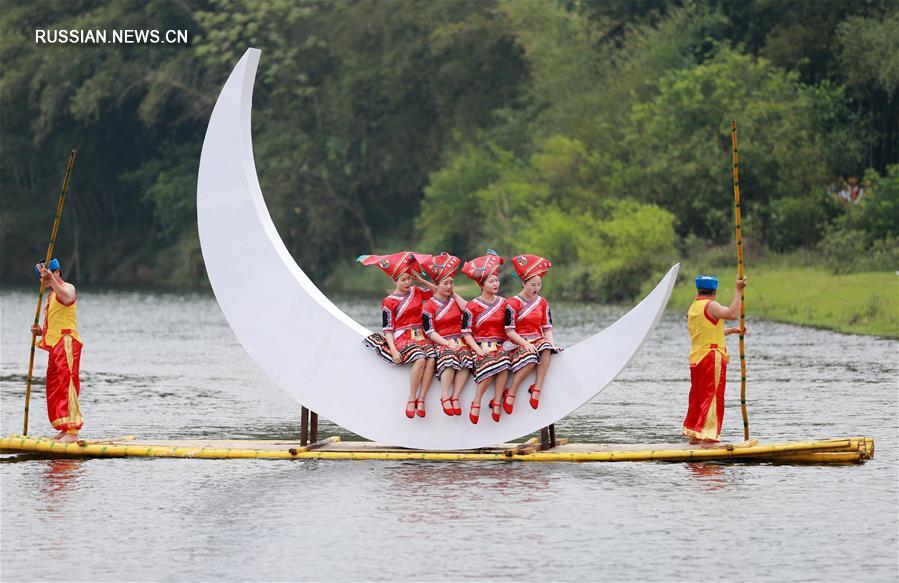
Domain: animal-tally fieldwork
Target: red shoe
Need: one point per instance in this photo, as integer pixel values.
(457, 409)
(507, 406)
(448, 410)
(410, 412)
(420, 412)
(535, 392)
(471, 416)
(493, 410)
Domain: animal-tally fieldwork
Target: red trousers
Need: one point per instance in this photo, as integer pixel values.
(63, 386)
(705, 413)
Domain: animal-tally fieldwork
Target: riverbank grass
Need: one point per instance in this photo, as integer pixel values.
(857, 303)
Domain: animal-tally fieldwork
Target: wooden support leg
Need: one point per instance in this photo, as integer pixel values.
(548, 437)
(313, 426)
(304, 426)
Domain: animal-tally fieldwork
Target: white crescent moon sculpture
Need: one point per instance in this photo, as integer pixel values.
(314, 352)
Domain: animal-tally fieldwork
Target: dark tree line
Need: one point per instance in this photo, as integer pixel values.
(379, 125)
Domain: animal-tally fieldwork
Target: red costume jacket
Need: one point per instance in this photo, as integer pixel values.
(530, 319)
(443, 318)
(400, 313)
(486, 322)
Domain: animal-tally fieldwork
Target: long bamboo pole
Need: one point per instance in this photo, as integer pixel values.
(40, 296)
(733, 136)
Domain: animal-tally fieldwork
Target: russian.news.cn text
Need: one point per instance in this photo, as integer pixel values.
(127, 36)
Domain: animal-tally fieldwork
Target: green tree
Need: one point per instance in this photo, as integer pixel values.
(633, 245)
(678, 144)
(102, 99)
(866, 237)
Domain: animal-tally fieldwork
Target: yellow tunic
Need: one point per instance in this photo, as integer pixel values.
(706, 332)
(59, 317)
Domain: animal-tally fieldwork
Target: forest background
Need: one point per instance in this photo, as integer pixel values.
(593, 132)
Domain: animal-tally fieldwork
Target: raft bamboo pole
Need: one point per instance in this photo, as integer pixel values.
(739, 231)
(40, 295)
(727, 452)
(824, 457)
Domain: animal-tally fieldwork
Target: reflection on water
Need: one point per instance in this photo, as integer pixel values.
(59, 478)
(58, 482)
(440, 493)
(708, 476)
(167, 365)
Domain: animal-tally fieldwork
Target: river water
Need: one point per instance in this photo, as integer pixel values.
(167, 365)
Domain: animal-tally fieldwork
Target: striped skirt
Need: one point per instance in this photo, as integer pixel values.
(455, 357)
(493, 363)
(410, 350)
(519, 357)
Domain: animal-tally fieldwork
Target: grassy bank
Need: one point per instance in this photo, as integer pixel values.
(859, 303)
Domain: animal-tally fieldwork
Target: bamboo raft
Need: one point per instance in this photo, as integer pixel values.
(850, 450)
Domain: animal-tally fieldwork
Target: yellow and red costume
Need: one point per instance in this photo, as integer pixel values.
(60, 338)
(400, 314)
(444, 318)
(530, 319)
(708, 368)
(486, 322)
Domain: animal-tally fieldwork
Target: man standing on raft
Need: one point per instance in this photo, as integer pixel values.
(60, 338)
(708, 359)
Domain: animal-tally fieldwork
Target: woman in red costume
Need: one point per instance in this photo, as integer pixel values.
(403, 341)
(442, 320)
(532, 320)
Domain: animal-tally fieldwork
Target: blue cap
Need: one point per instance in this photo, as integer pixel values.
(54, 265)
(706, 282)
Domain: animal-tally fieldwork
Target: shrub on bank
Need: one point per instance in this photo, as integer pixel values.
(866, 236)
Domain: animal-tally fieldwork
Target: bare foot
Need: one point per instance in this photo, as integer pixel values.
(60, 434)
(706, 444)
(68, 438)
(694, 441)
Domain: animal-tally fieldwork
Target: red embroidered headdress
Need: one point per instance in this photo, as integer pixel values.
(480, 268)
(393, 265)
(438, 267)
(527, 266)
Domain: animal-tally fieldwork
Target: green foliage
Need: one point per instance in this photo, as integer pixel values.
(866, 237)
(602, 249)
(452, 197)
(564, 76)
(800, 221)
(354, 107)
(679, 142)
(115, 103)
(878, 211)
(661, 137)
(168, 184)
(636, 243)
(570, 129)
(869, 51)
